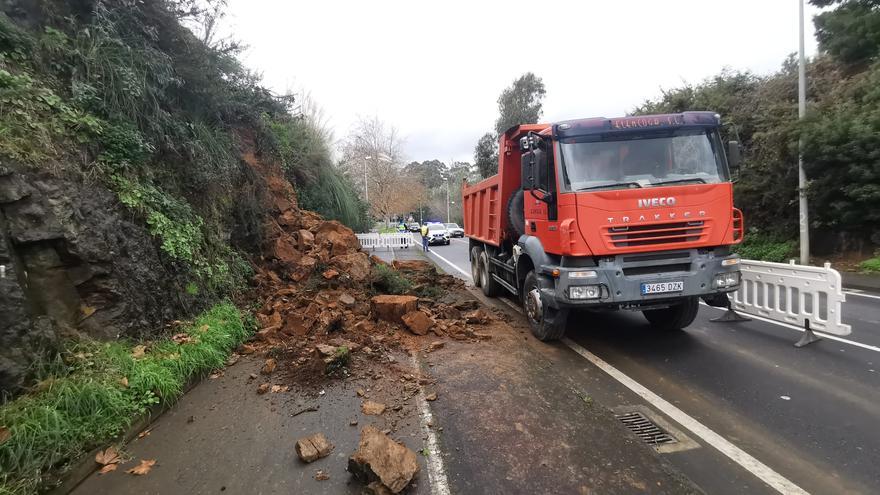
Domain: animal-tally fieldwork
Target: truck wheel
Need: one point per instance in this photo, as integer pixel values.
(491, 288)
(476, 273)
(546, 323)
(516, 219)
(674, 317)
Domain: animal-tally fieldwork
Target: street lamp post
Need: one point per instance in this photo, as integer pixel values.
(803, 216)
(447, 200)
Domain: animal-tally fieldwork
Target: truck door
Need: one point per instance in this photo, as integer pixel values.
(541, 216)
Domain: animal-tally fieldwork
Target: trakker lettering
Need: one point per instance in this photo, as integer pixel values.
(655, 202)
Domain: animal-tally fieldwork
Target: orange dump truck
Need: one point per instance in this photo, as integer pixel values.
(630, 213)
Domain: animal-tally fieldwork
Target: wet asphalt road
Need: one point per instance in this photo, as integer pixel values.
(809, 414)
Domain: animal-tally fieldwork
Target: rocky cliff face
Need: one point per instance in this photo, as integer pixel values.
(74, 260)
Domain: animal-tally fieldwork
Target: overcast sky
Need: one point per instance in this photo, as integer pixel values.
(434, 70)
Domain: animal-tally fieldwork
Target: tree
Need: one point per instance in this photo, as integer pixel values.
(520, 103)
(486, 155)
(851, 32)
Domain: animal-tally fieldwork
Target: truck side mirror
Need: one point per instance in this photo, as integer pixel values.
(734, 156)
(541, 172)
(527, 167)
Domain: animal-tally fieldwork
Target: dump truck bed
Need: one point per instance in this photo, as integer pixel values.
(484, 215)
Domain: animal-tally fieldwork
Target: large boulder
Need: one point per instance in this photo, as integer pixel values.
(391, 308)
(418, 322)
(356, 265)
(336, 238)
(381, 459)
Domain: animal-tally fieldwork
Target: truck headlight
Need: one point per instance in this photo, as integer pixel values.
(584, 292)
(724, 280)
(582, 274)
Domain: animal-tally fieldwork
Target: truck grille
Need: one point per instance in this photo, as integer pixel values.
(655, 234)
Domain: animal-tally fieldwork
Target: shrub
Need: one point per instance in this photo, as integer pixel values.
(870, 265)
(389, 281)
(766, 247)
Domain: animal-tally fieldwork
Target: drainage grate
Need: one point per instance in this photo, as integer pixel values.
(650, 433)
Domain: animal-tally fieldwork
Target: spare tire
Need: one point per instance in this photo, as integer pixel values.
(516, 219)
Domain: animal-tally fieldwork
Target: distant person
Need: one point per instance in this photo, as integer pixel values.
(425, 238)
(401, 227)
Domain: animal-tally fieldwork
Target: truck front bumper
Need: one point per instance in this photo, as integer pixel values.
(621, 281)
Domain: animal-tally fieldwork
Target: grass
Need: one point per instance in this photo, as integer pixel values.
(85, 403)
(765, 247)
(871, 265)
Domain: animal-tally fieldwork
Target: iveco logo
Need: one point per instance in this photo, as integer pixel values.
(655, 202)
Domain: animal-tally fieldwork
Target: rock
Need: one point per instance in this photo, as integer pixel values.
(346, 300)
(330, 274)
(295, 326)
(304, 267)
(380, 459)
(431, 397)
(321, 475)
(372, 408)
(313, 447)
(338, 238)
(356, 265)
(263, 388)
(325, 350)
(391, 308)
(268, 367)
(365, 326)
(417, 322)
(285, 252)
(306, 240)
(412, 265)
(478, 316)
(435, 345)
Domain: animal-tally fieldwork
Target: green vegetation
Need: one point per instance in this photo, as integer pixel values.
(871, 265)
(766, 247)
(94, 390)
(387, 280)
(841, 135)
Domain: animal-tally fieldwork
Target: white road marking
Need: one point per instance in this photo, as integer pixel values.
(436, 469)
(799, 329)
(453, 265)
(854, 292)
(737, 455)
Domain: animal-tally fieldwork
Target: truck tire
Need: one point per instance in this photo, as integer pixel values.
(491, 288)
(546, 323)
(476, 273)
(674, 317)
(516, 220)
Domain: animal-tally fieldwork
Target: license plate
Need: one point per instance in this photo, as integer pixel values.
(662, 287)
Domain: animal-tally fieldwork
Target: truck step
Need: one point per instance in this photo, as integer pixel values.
(506, 285)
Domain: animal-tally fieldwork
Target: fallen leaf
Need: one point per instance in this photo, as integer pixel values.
(321, 475)
(247, 349)
(107, 456)
(181, 338)
(232, 359)
(269, 367)
(143, 468)
(4, 434)
(86, 311)
(139, 351)
(145, 433)
(216, 374)
(431, 397)
(124, 382)
(107, 468)
(204, 328)
(276, 388)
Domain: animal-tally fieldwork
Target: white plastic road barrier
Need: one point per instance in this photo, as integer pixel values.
(793, 294)
(385, 241)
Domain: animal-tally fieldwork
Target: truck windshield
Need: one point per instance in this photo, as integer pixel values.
(646, 160)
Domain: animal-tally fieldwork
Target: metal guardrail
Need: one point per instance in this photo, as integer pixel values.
(386, 241)
(806, 296)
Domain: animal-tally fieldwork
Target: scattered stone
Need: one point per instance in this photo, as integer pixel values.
(321, 475)
(356, 265)
(346, 300)
(433, 346)
(246, 349)
(313, 447)
(431, 397)
(263, 388)
(330, 274)
(478, 316)
(325, 350)
(380, 459)
(417, 322)
(372, 408)
(391, 308)
(360, 392)
(268, 367)
(353, 422)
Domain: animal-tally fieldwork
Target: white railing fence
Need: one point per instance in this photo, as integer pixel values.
(806, 296)
(386, 241)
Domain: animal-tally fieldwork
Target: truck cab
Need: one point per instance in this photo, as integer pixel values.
(632, 213)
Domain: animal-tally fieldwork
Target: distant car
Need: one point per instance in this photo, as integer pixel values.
(437, 234)
(454, 230)
(414, 227)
